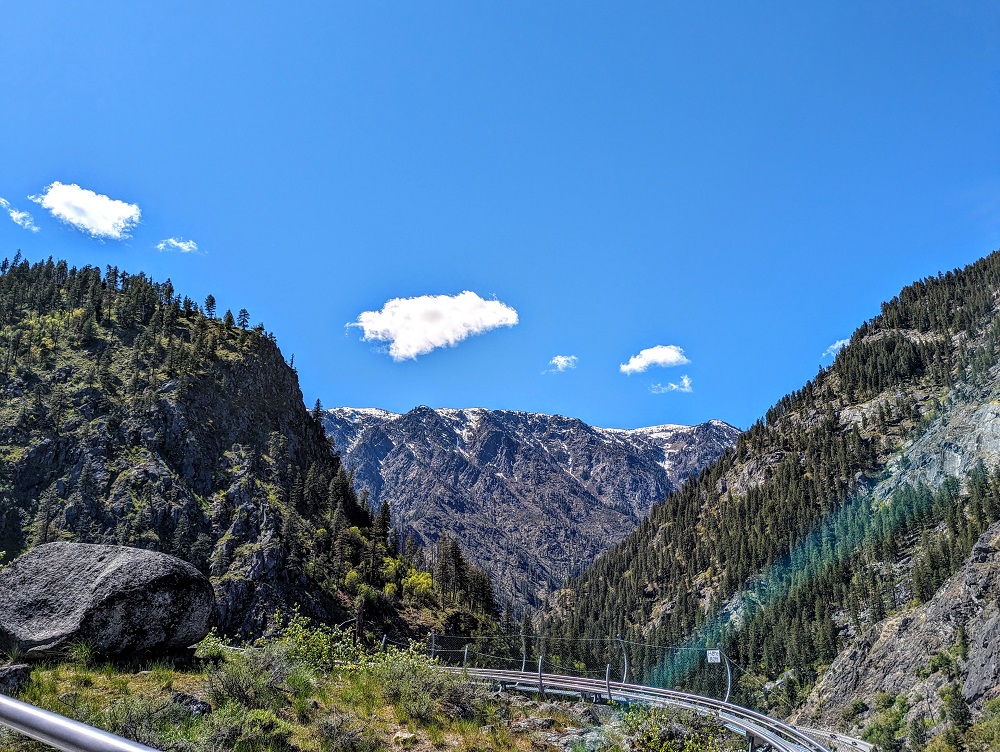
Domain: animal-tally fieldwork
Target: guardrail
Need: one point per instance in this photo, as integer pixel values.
(760, 729)
(61, 732)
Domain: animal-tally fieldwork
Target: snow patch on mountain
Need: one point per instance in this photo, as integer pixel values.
(531, 497)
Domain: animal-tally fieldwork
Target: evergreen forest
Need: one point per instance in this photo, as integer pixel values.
(780, 552)
(133, 415)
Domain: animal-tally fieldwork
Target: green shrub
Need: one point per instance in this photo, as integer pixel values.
(884, 700)
(985, 735)
(665, 730)
(853, 710)
(211, 649)
(419, 689)
(340, 732)
(81, 654)
(318, 645)
(142, 719)
(235, 729)
(886, 730)
(255, 678)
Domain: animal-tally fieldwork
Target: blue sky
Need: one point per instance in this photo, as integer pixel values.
(703, 195)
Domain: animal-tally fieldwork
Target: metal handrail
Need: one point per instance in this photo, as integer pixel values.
(61, 732)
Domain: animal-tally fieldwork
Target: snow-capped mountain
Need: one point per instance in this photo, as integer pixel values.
(530, 497)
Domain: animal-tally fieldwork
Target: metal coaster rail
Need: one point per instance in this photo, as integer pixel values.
(60, 732)
(762, 731)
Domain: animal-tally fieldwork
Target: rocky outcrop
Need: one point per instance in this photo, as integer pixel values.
(150, 424)
(896, 654)
(531, 498)
(119, 601)
(966, 433)
(14, 678)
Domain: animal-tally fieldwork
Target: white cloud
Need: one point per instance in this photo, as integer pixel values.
(562, 363)
(835, 348)
(415, 326)
(21, 218)
(684, 386)
(660, 355)
(99, 215)
(177, 244)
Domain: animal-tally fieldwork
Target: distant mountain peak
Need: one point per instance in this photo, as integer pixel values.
(531, 497)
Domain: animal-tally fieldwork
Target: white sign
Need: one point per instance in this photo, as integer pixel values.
(714, 656)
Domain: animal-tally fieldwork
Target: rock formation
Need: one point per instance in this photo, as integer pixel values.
(897, 655)
(119, 601)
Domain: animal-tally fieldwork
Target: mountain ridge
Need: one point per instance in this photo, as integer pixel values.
(845, 505)
(131, 416)
(557, 489)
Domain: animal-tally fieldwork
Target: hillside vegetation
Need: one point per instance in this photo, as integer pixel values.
(787, 549)
(312, 688)
(135, 416)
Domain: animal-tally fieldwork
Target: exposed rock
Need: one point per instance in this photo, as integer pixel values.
(531, 498)
(533, 724)
(894, 655)
(120, 601)
(586, 714)
(967, 432)
(404, 739)
(14, 678)
(590, 740)
(194, 706)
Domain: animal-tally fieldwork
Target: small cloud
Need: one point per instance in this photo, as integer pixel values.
(415, 326)
(835, 348)
(562, 363)
(684, 386)
(94, 213)
(21, 218)
(661, 355)
(177, 244)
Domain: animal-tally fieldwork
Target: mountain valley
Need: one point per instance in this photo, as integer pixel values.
(531, 498)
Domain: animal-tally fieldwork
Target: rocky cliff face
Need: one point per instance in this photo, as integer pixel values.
(531, 498)
(129, 417)
(917, 652)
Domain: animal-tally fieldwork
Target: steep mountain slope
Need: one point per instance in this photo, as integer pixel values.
(531, 497)
(923, 652)
(839, 507)
(130, 416)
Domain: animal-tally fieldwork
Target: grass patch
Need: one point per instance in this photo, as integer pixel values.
(308, 689)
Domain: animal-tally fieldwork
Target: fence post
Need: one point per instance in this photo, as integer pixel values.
(384, 637)
(465, 656)
(524, 651)
(433, 647)
(607, 681)
(541, 687)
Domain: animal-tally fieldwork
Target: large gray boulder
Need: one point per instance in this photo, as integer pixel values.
(120, 601)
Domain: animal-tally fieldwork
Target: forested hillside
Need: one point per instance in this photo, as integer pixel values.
(133, 415)
(820, 522)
